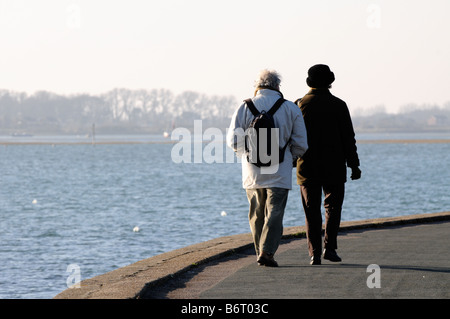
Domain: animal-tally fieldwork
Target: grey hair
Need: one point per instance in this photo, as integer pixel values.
(268, 79)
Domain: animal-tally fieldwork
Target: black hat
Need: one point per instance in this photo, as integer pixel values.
(320, 76)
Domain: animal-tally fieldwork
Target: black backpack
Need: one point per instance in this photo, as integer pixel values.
(262, 120)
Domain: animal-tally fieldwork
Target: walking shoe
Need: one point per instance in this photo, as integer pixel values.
(315, 260)
(267, 260)
(331, 255)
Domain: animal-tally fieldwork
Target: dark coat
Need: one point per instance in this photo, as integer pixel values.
(331, 139)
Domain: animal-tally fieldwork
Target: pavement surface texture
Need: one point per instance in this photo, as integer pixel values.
(411, 261)
(404, 257)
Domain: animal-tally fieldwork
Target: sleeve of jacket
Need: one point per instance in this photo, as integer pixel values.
(348, 136)
(236, 132)
(299, 140)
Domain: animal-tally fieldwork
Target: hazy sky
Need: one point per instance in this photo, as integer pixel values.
(391, 52)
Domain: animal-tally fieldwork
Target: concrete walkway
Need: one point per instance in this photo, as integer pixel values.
(396, 262)
(404, 257)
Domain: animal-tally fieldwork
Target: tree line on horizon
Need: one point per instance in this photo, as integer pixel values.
(126, 111)
(117, 111)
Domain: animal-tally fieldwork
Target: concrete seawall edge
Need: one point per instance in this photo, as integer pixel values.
(132, 281)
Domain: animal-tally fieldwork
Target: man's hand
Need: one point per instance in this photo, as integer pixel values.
(356, 173)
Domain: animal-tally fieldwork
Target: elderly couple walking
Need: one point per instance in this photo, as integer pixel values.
(316, 136)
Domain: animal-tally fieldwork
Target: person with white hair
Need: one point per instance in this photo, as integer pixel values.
(267, 185)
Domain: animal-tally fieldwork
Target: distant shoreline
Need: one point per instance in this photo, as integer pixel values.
(112, 142)
(87, 143)
(404, 141)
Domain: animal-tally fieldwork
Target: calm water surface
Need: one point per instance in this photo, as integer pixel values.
(78, 204)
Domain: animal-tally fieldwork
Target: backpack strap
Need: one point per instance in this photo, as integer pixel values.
(252, 107)
(276, 106)
(272, 111)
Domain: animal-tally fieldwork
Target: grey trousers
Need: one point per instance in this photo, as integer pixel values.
(265, 217)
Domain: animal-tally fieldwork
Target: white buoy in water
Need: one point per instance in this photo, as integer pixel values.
(34, 202)
(136, 229)
(223, 213)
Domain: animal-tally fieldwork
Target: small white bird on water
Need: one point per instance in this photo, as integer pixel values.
(136, 229)
(223, 213)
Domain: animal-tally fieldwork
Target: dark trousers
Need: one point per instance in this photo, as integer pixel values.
(311, 199)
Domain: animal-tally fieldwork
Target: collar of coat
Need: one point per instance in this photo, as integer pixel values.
(267, 91)
(319, 91)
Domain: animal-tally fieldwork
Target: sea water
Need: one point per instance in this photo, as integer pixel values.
(105, 206)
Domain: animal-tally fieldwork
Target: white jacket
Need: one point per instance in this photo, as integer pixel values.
(289, 120)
